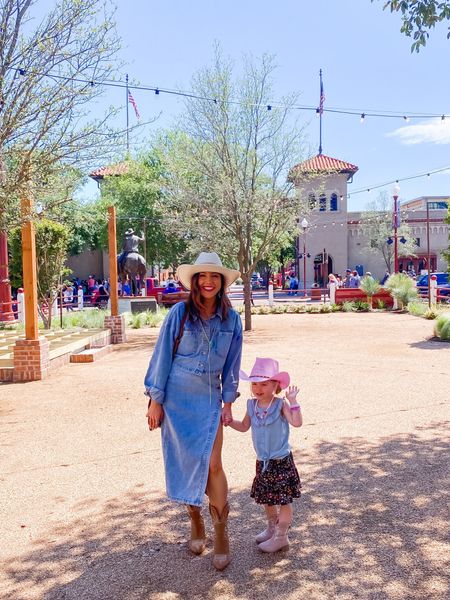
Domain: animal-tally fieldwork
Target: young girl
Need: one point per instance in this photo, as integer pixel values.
(277, 481)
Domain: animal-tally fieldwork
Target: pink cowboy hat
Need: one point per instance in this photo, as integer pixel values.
(266, 369)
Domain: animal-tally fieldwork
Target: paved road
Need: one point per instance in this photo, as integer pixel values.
(82, 506)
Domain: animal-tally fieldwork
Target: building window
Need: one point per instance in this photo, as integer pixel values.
(312, 201)
(322, 202)
(437, 205)
(418, 242)
(333, 202)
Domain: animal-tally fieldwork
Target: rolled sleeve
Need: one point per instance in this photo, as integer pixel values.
(161, 360)
(230, 372)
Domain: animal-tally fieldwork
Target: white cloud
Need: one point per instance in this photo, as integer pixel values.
(433, 131)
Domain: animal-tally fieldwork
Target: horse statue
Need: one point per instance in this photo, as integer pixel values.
(130, 263)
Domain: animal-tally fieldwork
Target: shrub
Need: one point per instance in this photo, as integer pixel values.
(381, 304)
(370, 287)
(361, 306)
(89, 318)
(325, 308)
(402, 288)
(431, 313)
(442, 326)
(418, 309)
(348, 306)
(336, 307)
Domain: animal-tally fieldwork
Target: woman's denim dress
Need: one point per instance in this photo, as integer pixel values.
(191, 386)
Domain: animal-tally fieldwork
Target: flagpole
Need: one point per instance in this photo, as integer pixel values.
(320, 113)
(128, 121)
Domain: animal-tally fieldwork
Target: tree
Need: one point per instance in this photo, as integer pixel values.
(51, 252)
(50, 74)
(140, 203)
(376, 223)
(419, 16)
(228, 166)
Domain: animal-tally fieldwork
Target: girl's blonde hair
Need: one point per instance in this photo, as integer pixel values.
(277, 389)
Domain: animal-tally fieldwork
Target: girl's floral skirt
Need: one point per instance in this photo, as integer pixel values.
(278, 484)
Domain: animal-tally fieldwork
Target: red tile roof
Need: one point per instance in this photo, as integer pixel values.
(119, 169)
(322, 164)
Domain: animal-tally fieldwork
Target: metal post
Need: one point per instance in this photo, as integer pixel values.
(112, 244)
(304, 266)
(395, 234)
(6, 313)
(428, 255)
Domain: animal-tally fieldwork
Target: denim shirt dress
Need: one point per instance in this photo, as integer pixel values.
(191, 386)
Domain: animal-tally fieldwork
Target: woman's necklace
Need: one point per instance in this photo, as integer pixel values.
(261, 414)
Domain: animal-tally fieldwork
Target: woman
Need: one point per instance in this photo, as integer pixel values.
(193, 369)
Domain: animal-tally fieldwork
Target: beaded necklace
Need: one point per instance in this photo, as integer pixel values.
(261, 414)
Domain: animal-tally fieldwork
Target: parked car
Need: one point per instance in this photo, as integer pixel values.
(444, 290)
(422, 282)
(257, 281)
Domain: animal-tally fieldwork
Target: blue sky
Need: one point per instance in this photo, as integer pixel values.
(366, 62)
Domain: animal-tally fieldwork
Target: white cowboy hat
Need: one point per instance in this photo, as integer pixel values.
(129, 231)
(206, 262)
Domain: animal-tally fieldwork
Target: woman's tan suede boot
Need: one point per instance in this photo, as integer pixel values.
(197, 543)
(279, 540)
(221, 556)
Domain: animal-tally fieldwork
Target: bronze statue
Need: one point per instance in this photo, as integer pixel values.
(130, 263)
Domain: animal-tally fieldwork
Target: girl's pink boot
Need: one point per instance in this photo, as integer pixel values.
(279, 540)
(268, 532)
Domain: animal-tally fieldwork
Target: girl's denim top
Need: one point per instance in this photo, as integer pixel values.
(209, 348)
(270, 434)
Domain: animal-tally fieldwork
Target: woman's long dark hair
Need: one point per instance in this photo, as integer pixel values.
(194, 303)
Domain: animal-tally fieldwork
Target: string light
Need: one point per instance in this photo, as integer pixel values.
(387, 183)
(273, 105)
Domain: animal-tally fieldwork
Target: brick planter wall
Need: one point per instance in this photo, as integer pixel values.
(31, 360)
(117, 326)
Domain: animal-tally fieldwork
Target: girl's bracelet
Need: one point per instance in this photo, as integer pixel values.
(294, 407)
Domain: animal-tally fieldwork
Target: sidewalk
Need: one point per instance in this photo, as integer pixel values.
(82, 505)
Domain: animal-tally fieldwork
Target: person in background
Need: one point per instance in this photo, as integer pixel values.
(355, 279)
(385, 277)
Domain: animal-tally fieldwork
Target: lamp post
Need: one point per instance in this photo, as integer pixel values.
(395, 222)
(304, 225)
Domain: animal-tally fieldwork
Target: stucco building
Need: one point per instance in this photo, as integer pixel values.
(334, 239)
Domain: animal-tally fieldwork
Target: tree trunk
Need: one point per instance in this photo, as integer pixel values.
(247, 302)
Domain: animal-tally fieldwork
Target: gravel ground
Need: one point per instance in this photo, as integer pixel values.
(82, 505)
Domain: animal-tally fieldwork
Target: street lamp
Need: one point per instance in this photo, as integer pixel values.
(396, 223)
(304, 225)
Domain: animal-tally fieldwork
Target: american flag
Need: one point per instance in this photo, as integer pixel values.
(132, 101)
(322, 98)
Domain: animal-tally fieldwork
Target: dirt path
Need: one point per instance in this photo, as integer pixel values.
(82, 505)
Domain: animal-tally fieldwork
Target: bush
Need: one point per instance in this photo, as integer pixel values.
(336, 307)
(361, 306)
(402, 288)
(431, 313)
(381, 304)
(442, 326)
(325, 308)
(349, 306)
(418, 309)
(370, 287)
(89, 318)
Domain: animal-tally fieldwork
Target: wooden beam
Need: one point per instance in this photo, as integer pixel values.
(29, 268)
(112, 244)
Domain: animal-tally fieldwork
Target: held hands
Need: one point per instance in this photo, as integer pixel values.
(227, 417)
(291, 394)
(155, 415)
